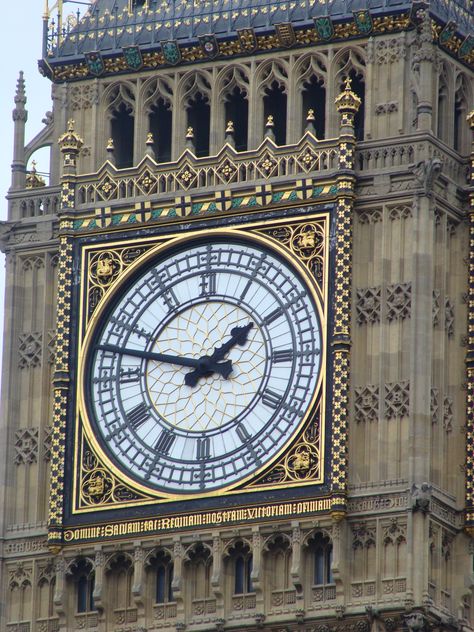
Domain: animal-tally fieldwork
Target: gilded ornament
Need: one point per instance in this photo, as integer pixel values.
(104, 268)
(347, 99)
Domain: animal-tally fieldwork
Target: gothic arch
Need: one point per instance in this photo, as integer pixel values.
(233, 544)
(346, 60)
(159, 568)
(193, 83)
(119, 101)
(349, 62)
(308, 65)
(270, 72)
(118, 93)
(154, 89)
(311, 535)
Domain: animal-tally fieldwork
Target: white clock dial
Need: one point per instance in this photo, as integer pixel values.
(205, 366)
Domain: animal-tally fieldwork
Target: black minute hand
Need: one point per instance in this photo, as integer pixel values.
(218, 367)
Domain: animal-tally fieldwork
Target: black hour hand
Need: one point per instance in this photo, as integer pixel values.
(212, 364)
(207, 366)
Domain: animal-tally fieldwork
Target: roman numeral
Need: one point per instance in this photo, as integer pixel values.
(208, 283)
(283, 355)
(272, 316)
(165, 441)
(271, 399)
(242, 433)
(170, 299)
(128, 376)
(137, 416)
(203, 448)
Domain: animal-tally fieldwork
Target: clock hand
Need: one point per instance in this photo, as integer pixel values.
(223, 368)
(239, 336)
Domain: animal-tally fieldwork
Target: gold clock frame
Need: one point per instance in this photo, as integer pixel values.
(98, 484)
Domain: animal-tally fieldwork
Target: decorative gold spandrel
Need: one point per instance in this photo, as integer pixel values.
(97, 486)
(104, 268)
(302, 462)
(307, 241)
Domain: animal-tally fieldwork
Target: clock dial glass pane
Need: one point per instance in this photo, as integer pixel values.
(205, 367)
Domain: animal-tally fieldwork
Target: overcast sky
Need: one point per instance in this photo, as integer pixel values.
(22, 28)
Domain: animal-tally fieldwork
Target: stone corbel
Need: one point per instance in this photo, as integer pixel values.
(99, 578)
(177, 568)
(216, 566)
(256, 559)
(138, 571)
(337, 558)
(296, 569)
(59, 589)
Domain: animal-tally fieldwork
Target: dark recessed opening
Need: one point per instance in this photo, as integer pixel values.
(274, 104)
(237, 111)
(314, 98)
(122, 134)
(199, 118)
(160, 118)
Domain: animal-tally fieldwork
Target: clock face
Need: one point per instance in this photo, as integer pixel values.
(205, 366)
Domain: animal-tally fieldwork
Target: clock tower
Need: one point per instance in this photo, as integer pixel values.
(238, 384)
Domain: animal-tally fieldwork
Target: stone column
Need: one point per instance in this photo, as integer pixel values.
(469, 517)
(20, 116)
(423, 64)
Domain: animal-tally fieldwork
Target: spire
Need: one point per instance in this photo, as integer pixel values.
(20, 99)
(20, 116)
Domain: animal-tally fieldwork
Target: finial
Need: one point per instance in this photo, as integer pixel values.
(20, 96)
(310, 118)
(19, 113)
(110, 147)
(347, 100)
(229, 134)
(70, 141)
(190, 138)
(150, 145)
(33, 179)
(269, 125)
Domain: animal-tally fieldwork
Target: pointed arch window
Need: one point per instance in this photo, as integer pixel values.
(275, 105)
(243, 573)
(122, 132)
(237, 111)
(199, 118)
(160, 125)
(358, 86)
(322, 560)
(314, 98)
(83, 575)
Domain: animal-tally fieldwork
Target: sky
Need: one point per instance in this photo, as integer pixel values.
(22, 28)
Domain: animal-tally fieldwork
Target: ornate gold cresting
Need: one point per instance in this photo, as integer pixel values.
(469, 510)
